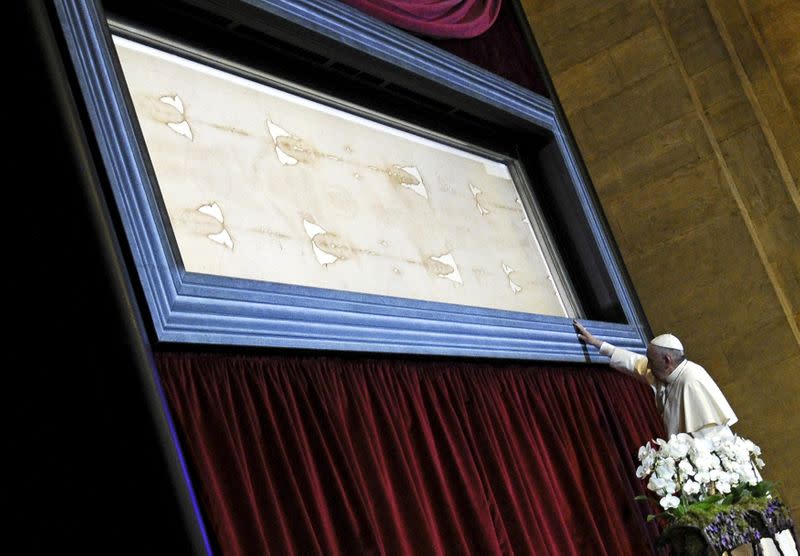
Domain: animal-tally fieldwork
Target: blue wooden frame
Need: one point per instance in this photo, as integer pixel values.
(194, 308)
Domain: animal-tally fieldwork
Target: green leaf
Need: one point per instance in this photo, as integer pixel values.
(641, 497)
(763, 488)
(650, 518)
(708, 502)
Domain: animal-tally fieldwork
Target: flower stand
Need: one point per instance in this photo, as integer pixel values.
(731, 530)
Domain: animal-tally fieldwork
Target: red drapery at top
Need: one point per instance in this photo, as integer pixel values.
(358, 455)
(461, 19)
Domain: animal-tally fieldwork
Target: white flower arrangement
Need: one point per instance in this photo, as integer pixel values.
(711, 488)
(685, 470)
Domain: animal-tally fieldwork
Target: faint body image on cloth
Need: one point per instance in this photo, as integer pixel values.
(262, 184)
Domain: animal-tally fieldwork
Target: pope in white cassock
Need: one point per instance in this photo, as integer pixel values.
(687, 397)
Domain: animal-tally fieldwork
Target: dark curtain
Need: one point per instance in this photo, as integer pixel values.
(434, 18)
(355, 455)
(502, 50)
(500, 47)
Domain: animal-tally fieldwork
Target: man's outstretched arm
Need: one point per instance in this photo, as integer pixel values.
(621, 359)
(586, 336)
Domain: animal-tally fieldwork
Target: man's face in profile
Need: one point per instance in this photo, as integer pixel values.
(659, 363)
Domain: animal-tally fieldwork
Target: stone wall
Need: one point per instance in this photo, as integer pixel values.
(686, 114)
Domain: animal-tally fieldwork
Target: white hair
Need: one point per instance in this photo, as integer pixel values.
(677, 355)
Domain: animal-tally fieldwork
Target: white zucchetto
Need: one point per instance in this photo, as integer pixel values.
(667, 341)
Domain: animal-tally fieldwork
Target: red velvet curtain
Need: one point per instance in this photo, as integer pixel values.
(500, 47)
(502, 50)
(358, 455)
(434, 18)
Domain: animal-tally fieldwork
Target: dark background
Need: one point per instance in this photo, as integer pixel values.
(87, 471)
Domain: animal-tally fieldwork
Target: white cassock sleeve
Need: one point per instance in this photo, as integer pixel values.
(705, 406)
(624, 360)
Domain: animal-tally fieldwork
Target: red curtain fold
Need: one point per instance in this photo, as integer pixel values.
(346, 455)
(498, 44)
(434, 18)
(502, 50)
